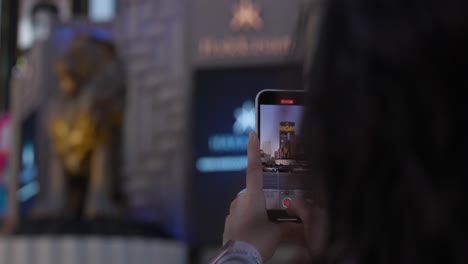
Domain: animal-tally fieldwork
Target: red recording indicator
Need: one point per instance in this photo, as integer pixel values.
(287, 101)
(286, 202)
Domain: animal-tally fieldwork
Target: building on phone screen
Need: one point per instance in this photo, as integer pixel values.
(287, 133)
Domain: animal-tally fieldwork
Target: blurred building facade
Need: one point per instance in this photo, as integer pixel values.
(152, 38)
(171, 49)
(166, 44)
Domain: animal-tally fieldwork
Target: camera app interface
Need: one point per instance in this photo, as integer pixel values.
(282, 152)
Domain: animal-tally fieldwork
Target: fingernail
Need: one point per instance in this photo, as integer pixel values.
(242, 191)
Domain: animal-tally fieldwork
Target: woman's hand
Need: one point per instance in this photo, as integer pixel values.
(248, 220)
(312, 233)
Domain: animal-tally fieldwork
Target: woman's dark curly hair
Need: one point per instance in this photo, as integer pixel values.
(387, 127)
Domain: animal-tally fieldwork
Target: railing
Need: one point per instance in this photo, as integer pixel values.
(90, 250)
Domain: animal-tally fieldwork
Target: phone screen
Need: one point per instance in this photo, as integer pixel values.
(279, 126)
(280, 134)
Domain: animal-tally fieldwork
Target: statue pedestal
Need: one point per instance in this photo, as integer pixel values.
(89, 228)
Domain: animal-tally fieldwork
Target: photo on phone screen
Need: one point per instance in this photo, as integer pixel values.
(279, 125)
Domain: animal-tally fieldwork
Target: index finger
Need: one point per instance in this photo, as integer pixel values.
(254, 177)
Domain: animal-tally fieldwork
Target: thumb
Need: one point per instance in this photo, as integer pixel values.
(301, 208)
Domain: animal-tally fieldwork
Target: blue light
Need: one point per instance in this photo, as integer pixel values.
(28, 155)
(66, 35)
(222, 164)
(28, 191)
(228, 143)
(245, 118)
(101, 10)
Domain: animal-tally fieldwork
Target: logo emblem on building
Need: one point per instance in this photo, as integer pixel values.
(246, 16)
(245, 118)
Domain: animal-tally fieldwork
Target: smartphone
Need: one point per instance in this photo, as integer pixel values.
(278, 124)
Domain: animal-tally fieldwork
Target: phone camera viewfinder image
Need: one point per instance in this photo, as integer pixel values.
(279, 124)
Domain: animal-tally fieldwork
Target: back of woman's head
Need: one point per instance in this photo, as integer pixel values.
(387, 121)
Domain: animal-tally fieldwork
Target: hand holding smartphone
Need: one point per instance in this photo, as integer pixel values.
(278, 124)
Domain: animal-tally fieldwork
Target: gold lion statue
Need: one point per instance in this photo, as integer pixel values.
(84, 125)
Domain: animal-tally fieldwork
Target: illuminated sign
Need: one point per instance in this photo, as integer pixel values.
(245, 118)
(224, 110)
(246, 16)
(241, 47)
(287, 128)
(227, 143)
(222, 164)
(243, 30)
